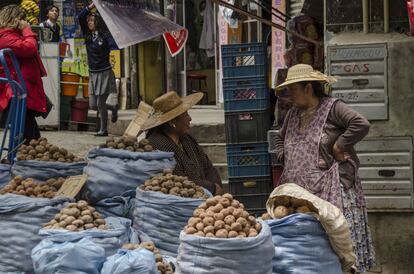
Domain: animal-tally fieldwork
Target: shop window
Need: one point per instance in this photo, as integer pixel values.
(252, 28)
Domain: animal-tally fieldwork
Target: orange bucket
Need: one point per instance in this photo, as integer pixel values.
(85, 86)
(70, 83)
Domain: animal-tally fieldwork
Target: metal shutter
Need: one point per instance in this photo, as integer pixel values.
(386, 172)
(362, 78)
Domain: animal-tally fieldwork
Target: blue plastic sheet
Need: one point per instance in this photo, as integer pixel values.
(138, 261)
(117, 206)
(162, 217)
(5, 174)
(202, 255)
(21, 218)
(42, 170)
(112, 172)
(302, 246)
(76, 257)
(110, 240)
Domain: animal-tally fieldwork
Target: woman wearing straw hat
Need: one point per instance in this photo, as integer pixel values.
(168, 130)
(316, 145)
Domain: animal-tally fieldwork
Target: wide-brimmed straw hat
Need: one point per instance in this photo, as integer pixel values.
(169, 106)
(304, 73)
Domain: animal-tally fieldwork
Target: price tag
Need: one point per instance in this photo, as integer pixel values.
(72, 186)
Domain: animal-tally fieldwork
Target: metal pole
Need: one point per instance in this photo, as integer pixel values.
(365, 15)
(265, 21)
(386, 16)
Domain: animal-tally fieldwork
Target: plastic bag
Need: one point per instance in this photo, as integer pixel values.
(302, 246)
(330, 217)
(138, 261)
(110, 240)
(42, 170)
(77, 257)
(21, 218)
(112, 172)
(199, 255)
(5, 174)
(118, 206)
(162, 217)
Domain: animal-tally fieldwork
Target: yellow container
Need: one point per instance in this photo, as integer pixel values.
(70, 83)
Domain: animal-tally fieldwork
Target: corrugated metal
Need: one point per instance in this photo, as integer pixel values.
(295, 7)
(387, 172)
(362, 78)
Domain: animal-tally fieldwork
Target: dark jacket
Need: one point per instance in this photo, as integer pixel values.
(24, 45)
(191, 160)
(98, 49)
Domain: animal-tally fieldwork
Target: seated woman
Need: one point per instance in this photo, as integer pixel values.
(168, 130)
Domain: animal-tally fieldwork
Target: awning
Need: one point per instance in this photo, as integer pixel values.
(132, 25)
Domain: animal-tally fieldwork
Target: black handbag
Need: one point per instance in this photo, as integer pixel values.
(49, 106)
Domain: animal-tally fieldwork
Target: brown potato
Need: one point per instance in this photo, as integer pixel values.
(280, 212)
(303, 209)
(87, 219)
(233, 234)
(236, 227)
(200, 233)
(200, 226)
(295, 202)
(208, 229)
(72, 227)
(230, 219)
(219, 224)
(208, 221)
(88, 225)
(191, 230)
(222, 233)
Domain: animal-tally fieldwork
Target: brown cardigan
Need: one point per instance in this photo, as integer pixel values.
(191, 160)
(345, 127)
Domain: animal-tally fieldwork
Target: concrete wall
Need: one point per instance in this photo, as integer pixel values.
(393, 235)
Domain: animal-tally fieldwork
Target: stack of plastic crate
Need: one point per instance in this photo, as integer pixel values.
(277, 167)
(247, 118)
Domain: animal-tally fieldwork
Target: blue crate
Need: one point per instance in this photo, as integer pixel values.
(241, 60)
(247, 126)
(242, 94)
(248, 160)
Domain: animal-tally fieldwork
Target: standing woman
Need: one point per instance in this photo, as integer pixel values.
(16, 34)
(316, 145)
(101, 77)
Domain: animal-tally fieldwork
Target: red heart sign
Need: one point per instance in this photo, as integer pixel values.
(175, 40)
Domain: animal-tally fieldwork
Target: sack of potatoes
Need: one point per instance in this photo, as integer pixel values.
(77, 217)
(41, 150)
(32, 188)
(163, 267)
(285, 206)
(170, 184)
(128, 143)
(222, 217)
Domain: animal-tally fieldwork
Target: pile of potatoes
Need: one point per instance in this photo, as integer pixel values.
(128, 143)
(222, 217)
(162, 266)
(168, 183)
(29, 187)
(77, 217)
(285, 206)
(41, 150)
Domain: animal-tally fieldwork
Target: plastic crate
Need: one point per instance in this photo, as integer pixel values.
(245, 94)
(251, 185)
(248, 160)
(247, 127)
(241, 60)
(253, 203)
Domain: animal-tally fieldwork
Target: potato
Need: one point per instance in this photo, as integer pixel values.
(82, 205)
(207, 221)
(295, 202)
(72, 227)
(62, 224)
(303, 209)
(225, 202)
(40, 149)
(78, 223)
(208, 229)
(100, 221)
(258, 227)
(191, 230)
(219, 216)
(211, 202)
(282, 200)
(70, 219)
(102, 227)
(222, 233)
(86, 212)
(63, 217)
(252, 220)
(233, 234)
(96, 215)
(230, 219)
(88, 225)
(242, 234)
(200, 233)
(87, 219)
(242, 221)
(193, 221)
(228, 196)
(200, 226)
(72, 205)
(280, 212)
(217, 208)
(252, 232)
(237, 213)
(236, 227)
(219, 224)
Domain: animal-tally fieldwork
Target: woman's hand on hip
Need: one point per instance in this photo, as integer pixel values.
(340, 155)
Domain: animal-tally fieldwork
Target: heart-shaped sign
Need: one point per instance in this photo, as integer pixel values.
(175, 40)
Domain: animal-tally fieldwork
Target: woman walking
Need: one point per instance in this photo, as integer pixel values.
(316, 145)
(101, 77)
(16, 34)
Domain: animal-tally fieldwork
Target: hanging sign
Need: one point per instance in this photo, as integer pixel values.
(175, 40)
(278, 41)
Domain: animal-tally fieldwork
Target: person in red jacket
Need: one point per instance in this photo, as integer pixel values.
(16, 34)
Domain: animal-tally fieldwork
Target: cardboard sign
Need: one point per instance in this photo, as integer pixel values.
(72, 186)
(175, 40)
(134, 128)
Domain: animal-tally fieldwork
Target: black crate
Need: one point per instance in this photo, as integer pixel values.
(253, 203)
(250, 185)
(247, 127)
(248, 160)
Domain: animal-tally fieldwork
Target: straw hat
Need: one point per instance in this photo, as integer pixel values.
(169, 106)
(304, 73)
